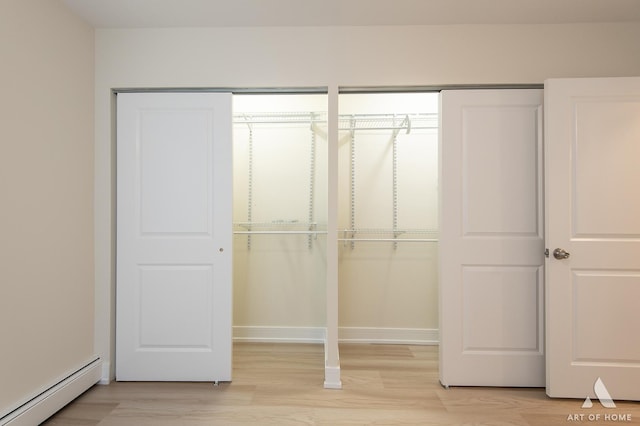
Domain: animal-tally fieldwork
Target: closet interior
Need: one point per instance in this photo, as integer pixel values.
(388, 217)
(280, 216)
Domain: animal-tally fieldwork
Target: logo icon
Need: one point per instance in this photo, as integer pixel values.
(603, 396)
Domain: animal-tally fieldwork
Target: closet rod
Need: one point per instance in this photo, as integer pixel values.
(275, 224)
(279, 232)
(389, 231)
(317, 115)
(391, 240)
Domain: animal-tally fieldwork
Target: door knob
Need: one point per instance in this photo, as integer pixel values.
(560, 254)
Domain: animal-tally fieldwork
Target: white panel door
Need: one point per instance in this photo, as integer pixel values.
(491, 238)
(593, 213)
(174, 236)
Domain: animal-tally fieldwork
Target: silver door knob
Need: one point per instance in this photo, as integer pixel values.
(560, 254)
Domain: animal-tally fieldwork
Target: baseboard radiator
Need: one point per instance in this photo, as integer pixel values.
(46, 403)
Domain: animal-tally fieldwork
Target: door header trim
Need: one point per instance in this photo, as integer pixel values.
(234, 90)
(435, 88)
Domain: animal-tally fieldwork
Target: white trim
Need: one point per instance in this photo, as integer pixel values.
(399, 336)
(332, 378)
(44, 404)
(105, 378)
(279, 334)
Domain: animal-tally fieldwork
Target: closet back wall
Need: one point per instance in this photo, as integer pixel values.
(279, 192)
(329, 56)
(388, 291)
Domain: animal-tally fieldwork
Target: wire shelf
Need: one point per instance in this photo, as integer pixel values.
(280, 118)
(396, 122)
(278, 227)
(389, 231)
(395, 235)
(350, 122)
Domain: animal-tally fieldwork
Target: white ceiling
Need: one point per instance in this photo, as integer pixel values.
(227, 13)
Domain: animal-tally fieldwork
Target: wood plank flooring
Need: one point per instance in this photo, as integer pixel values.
(281, 384)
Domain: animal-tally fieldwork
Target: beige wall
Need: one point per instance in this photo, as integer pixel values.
(46, 182)
(279, 280)
(383, 285)
(330, 56)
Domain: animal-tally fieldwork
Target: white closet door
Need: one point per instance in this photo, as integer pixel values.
(174, 237)
(491, 238)
(593, 213)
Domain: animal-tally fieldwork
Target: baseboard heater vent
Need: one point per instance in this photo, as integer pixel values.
(48, 402)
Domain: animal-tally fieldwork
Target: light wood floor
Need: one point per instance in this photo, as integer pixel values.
(281, 384)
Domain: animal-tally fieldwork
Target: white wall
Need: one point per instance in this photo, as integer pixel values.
(46, 182)
(329, 56)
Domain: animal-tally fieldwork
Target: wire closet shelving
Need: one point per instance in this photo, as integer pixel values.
(395, 123)
(351, 122)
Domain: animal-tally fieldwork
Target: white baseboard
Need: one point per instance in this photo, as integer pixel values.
(279, 334)
(406, 336)
(332, 378)
(44, 404)
(398, 336)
